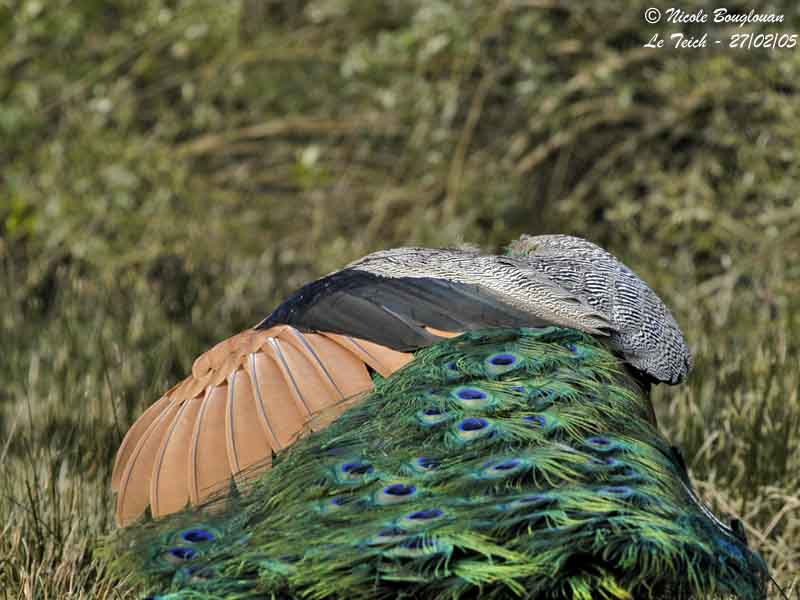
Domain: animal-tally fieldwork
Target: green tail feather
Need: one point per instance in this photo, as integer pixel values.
(505, 463)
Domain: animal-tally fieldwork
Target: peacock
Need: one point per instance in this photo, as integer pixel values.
(435, 424)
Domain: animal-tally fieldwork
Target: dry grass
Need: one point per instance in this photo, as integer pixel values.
(171, 173)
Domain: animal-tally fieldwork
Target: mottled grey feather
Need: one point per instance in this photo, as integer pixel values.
(645, 332)
(505, 277)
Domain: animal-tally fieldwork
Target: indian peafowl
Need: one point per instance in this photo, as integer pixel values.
(482, 428)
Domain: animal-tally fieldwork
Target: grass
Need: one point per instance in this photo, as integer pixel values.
(170, 171)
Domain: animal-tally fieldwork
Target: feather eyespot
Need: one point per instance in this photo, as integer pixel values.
(427, 463)
(473, 428)
(357, 468)
(452, 371)
(422, 465)
(507, 465)
(473, 424)
(399, 489)
(431, 416)
(471, 394)
(197, 536)
(354, 472)
(536, 421)
(602, 444)
(502, 362)
(395, 494)
(426, 515)
(182, 553)
(472, 398)
(179, 555)
(501, 468)
(334, 504)
(389, 535)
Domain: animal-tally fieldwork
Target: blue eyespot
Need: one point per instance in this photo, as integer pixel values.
(471, 394)
(503, 360)
(394, 494)
(399, 489)
(354, 472)
(426, 515)
(602, 444)
(427, 463)
(472, 429)
(197, 536)
(179, 555)
(473, 424)
(506, 465)
(537, 421)
(472, 398)
(502, 468)
(357, 468)
(432, 416)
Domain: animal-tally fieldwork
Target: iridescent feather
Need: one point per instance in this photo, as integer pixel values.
(502, 463)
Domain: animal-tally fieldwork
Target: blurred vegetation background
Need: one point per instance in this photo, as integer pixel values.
(171, 169)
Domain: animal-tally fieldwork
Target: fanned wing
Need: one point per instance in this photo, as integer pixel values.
(248, 397)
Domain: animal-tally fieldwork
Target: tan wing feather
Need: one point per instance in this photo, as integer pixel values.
(275, 349)
(134, 487)
(345, 368)
(281, 411)
(134, 434)
(208, 457)
(169, 483)
(317, 391)
(383, 360)
(246, 440)
(212, 358)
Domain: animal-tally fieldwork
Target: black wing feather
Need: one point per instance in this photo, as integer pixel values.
(394, 311)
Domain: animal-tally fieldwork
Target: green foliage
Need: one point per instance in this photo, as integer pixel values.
(466, 472)
(171, 170)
